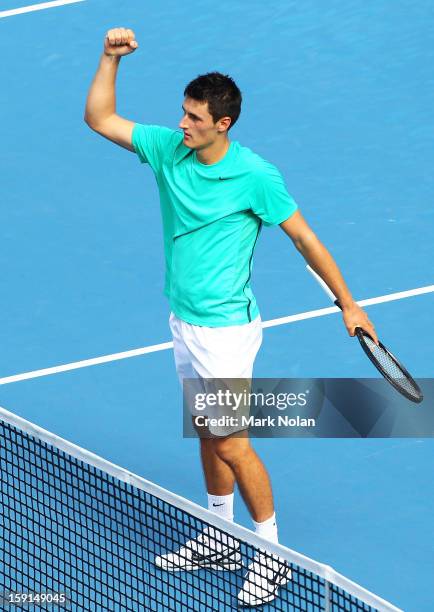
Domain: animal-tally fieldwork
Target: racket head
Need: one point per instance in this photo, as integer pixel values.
(389, 366)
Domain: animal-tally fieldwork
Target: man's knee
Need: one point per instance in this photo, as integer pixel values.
(231, 450)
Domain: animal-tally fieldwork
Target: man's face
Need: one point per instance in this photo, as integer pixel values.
(198, 126)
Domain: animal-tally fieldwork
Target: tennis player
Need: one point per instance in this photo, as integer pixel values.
(215, 197)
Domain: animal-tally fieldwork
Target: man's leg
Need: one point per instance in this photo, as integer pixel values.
(219, 477)
(266, 572)
(232, 458)
(219, 480)
(212, 548)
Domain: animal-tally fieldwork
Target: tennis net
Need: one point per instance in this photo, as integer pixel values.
(76, 526)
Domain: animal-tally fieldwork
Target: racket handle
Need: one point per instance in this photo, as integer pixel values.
(325, 287)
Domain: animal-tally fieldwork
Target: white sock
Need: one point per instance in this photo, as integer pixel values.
(223, 505)
(267, 529)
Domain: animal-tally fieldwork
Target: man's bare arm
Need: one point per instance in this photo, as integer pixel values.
(318, 257)
(100, 113)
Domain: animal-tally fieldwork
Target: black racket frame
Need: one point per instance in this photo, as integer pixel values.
(418, 396)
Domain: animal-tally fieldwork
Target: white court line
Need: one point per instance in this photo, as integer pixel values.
(167, 345)
(400, 295)
(36, 7)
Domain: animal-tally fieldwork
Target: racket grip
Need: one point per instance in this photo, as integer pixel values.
(324, 286)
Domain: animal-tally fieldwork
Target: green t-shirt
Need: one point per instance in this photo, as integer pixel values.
(212, 216)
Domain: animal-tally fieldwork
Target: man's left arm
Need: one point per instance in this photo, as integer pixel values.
(318, 257)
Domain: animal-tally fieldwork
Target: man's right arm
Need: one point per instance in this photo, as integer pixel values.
(100, 113)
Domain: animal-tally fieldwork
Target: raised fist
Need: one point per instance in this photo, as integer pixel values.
(119, 41)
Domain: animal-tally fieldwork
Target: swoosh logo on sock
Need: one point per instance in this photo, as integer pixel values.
(216, 505)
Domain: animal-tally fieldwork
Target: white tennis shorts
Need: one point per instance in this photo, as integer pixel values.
(220, 354)
(215, 352)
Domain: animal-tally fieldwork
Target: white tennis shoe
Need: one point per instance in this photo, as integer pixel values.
(265, 575)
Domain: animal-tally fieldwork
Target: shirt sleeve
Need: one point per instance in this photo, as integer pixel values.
(271, 200)
(153, 144)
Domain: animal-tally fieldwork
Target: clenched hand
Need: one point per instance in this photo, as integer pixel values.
(119, 41)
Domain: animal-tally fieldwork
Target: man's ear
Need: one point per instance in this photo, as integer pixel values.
(224, 124)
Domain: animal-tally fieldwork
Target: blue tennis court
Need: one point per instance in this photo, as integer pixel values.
(339, 98)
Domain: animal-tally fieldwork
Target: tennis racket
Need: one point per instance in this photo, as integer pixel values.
(386, 363)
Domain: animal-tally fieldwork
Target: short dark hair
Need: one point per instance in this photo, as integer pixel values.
(221, 93)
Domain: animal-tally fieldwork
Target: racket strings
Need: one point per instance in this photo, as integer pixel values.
(391, 368)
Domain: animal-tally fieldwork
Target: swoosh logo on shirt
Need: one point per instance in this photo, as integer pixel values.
(226, 178)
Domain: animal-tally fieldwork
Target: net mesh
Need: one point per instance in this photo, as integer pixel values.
(67, 526)
(391, 368)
